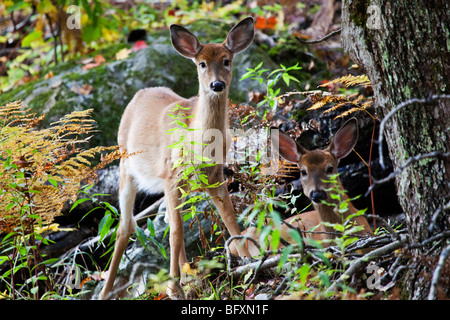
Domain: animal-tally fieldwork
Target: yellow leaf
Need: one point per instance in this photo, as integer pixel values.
(109, 35)
(188, 270)
(45, 6)
(4, 295)
(123, 54)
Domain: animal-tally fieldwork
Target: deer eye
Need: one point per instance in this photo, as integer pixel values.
(226, 62)
(330, 170)
(202, 65)
(303, 173)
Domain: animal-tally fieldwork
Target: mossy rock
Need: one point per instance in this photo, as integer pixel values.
(115, 83)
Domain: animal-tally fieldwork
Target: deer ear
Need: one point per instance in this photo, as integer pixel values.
(241, 36)
(345, 139)
(288, 148)
(184, 41)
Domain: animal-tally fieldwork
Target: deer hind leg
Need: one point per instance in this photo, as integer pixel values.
(127, 226)
(176, 235)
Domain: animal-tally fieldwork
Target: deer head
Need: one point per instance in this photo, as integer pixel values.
(213, 60)
(316, 166)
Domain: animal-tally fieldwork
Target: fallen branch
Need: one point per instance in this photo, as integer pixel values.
(361, 262)
(328, 36)
(132, 280)
(386, 225)
(393, 111)
(392, 175)
(227, 248)
(261, 265)
(437, 273)
(443, 235)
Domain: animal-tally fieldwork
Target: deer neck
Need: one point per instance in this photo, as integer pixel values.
(212, 111)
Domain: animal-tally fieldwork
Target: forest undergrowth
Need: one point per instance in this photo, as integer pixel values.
(43, 170)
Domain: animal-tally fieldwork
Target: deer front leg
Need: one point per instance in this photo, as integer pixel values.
(176, 235)
(222, 201)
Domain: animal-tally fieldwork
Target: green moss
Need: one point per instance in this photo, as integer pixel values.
(407, 92)
(358, 12)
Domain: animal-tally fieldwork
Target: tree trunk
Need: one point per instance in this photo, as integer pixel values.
(403, 47)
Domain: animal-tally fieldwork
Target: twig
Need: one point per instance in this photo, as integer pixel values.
(393, 111)
(360, 262)
(152, 209)
(370, 242)
(227, 248)
(369, 167)
(439, 236)
(386, 225)
(444, 207)
(437, 273)
(267, 264)
(331, 34)
(280, 286)
(392, 175)
(132, 280)
(54, 35)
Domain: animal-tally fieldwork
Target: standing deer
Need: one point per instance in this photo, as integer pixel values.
(143, 128)
(315, 168)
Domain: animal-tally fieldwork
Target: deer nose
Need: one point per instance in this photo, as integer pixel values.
(318, 195)
(217, 86)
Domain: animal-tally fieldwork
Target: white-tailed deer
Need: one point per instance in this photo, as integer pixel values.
(143, 128)
(315, 169)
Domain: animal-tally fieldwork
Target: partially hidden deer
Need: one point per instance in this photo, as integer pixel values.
(143, 128)
(315, 169)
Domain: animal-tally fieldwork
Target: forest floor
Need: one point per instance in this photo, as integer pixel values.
(36, 45)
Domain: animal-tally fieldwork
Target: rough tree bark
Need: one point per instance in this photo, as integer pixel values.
(403, 47)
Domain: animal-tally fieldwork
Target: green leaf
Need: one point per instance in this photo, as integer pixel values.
(32, 38)
(325, 279)
(9, 206)
(45, 7)
(284, 256)
(151, 227)
(91, 33)
(248, 275)
(160, 247)
(16, 6)
(141, 237)
(304, 273)
(348, 242)
(296, 236)
(275, 241)
(110, 207)
(53, 182)
(79, 201)
(105, 225)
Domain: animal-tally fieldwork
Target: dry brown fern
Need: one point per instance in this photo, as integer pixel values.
(356, 101)
(41, 169)
(350, 81)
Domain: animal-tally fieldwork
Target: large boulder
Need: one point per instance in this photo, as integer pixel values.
(109, 87)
